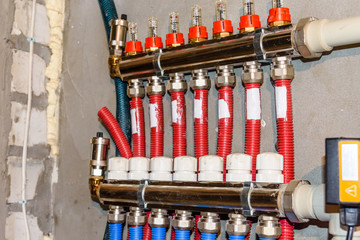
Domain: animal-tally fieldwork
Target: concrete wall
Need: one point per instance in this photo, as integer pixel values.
(325, 95)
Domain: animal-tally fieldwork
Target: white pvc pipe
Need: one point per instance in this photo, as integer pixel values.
(323, 35)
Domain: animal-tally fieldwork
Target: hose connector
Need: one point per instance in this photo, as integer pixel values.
(136, 88)
(200, 80)
(116, 214)
(282, 68)
(100, 146)
(117, 39)
(268, 227)
(183, 220)
(137, 217)
(155, 86)
(225, 76)
(177, 83)
(237, 225)
(159, 218)
(252, 73)
(209, 223)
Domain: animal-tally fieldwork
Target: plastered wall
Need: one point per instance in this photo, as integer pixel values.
(325, 95)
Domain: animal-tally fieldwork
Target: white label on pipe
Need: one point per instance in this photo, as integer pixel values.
(153, 115)
(174, 112)
(223, 109)
(133, 121)
(281, 102)
(197, 108)
(253, 108)
(350, 162)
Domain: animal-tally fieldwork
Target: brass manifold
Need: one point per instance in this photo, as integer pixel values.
(248, 198)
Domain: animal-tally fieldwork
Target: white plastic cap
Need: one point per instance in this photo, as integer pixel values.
(185, 168)
(269, 167)
(239, 167)
(117, 168)
(210, 168)
(138, 168)
(161, 168)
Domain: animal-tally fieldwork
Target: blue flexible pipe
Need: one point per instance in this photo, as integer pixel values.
(235, 237)
(108, 11)
(158, 233)
(115, 231)
(136, 233)
(208, 236)
(182, 234)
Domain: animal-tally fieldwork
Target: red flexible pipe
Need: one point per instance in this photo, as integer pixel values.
(201, 123)
(201, 134)
(285, 133)
(157, 125)
(138, 127)
(115, 131)
(147, 228)
(179, 123)
(253, 123)
(225, 128)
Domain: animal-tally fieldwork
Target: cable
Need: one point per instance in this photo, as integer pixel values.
(350, 233)
(27, 123)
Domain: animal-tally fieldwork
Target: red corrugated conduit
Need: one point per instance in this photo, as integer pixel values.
(179, 124)
(115, 131)
(225, 125)
(285, 135)
(252, 126)
(157, 125)
(138, 136)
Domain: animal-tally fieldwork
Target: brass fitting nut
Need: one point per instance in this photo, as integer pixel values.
(282, 69)
(155, 86)
(177, 83)
(200, 80)
(136, 217)
(268, 227)
(225, 76)
(237, 225)
(113, 63)
(252, 73)
(300, 41)
(209, 223)
(183, 220)
(135, 88)
(159, 218)
(116, 215)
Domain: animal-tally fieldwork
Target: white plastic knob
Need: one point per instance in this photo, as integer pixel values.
(117, 168)
(161, 168)
(210, 168)
(239, 167)
(139, 168)
(185, 168)
(269, 168)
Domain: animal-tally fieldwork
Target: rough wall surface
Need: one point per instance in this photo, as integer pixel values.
(14, 62)
(325, 101)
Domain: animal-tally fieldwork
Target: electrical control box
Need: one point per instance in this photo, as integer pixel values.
(343, 171)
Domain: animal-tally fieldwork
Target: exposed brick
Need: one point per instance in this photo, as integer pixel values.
(37, 132)
(20, 71)
(34, 169)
